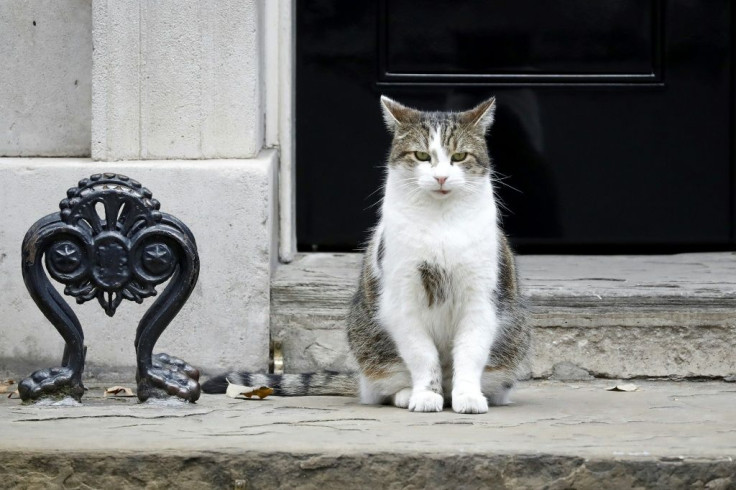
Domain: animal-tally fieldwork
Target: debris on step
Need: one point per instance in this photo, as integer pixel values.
(624, 387)
(567, 371)
(7, 385)
(118, 391)
(241, 391)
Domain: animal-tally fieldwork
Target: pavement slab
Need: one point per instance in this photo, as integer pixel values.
(555, 435)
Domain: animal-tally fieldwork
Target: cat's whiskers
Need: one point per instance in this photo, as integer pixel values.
(370, 206)
(381, 188)
(502, 180)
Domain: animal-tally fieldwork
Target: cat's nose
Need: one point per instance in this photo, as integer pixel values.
(441, 180)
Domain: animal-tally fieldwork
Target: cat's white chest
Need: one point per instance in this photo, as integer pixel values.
(459, 238)
(462, 247)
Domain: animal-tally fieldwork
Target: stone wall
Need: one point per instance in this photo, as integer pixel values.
(174, 95)
(45, 77)
(177, 79)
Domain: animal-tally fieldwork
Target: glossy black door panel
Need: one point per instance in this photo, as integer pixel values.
(613, 123)
(520, 40)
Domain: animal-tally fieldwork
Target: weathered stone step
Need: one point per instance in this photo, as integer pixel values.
(556, 435)
(612, 316)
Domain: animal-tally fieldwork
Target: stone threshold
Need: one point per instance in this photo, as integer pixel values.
(661, 316)
(555, 435)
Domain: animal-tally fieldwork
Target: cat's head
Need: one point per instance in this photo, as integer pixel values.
(439, 154)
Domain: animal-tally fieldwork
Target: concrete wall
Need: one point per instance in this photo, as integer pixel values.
(172, 78)
(228, 205)
(174, 94)
(45, 74)
(177, 79)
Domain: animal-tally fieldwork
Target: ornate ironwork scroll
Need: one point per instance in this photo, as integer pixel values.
(111, 242)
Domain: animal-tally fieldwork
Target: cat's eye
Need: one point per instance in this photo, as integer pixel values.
(459, 157)
(422, 156)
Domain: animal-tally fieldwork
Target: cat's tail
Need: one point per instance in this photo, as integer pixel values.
(304, 384)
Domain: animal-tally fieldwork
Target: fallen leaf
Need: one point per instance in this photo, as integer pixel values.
(624, 387)
(120, 391)
(237, 391)
(14, 394)
(261, 392)
(5, 385)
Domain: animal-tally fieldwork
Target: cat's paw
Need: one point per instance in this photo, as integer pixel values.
(401, 398)
(469, 402)
(426, 401)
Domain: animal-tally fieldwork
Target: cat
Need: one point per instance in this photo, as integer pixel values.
(438, 317)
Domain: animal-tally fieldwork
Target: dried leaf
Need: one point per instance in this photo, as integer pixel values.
(624, 387)
(5, 386)
(238, 391)
(14, 394)
(120, 391)
(261, 392)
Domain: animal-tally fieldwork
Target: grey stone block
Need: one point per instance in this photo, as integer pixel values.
(45, 77)
(609, 316)
(177, 79)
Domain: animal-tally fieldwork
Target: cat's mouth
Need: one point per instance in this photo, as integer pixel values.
(442, 191)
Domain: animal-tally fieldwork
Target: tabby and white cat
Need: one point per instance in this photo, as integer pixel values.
(438, 317)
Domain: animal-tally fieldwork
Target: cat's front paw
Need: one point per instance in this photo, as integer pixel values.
(426, 401)
(469, 402)
(401, 398)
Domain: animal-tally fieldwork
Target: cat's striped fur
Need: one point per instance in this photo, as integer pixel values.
(304, 384)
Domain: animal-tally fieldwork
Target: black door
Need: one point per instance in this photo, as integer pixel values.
(613, 129)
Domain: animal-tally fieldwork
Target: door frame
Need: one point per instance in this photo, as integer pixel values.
(279, 85)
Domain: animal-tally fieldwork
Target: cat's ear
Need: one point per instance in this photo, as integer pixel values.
(481, 116)
(395, 114)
